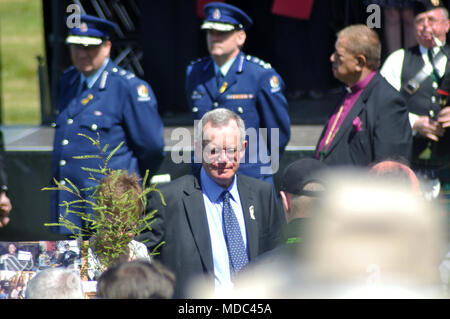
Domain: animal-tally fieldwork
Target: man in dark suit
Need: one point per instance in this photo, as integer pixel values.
(215, 222)
(371, 121)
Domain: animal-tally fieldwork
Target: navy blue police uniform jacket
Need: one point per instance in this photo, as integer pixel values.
(120, 107)
(253, 90)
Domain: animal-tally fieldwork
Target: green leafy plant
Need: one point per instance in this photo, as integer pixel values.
(117, 216)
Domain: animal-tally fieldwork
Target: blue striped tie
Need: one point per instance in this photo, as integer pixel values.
(235, 244)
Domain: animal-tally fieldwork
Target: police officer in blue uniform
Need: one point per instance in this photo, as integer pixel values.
(95, 96)
(242, 83)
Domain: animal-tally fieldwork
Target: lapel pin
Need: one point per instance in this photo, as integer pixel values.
(87, 99)
(223, 88)
(251, 210)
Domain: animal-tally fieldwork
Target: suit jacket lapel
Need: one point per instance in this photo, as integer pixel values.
(250, 215)
(328, 121)
(196, 215)
(352, 114)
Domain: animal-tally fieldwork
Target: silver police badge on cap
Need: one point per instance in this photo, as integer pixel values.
(83, 27)
(216, 14)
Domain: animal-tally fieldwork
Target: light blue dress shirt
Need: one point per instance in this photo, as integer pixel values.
(224, 68)
(91, 79)
(213, 206)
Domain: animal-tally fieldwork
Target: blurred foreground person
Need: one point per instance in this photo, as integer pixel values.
(399, 171)
(368, 237)
(382, 240)
(137, 279)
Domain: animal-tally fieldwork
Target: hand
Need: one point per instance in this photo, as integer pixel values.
(429, 128)
(5, 208)
(444, 117)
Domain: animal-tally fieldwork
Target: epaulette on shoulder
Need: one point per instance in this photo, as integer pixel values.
(198, 60)
(122, 73)
(69, 70)
(258, 61)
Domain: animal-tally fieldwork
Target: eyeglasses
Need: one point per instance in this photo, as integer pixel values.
(213, 152)
(431, 21)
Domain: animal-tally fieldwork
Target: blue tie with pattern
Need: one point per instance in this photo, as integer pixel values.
(235, 244)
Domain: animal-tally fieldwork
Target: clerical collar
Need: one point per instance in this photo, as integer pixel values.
(225, 67)
(359, 86)
(91, 79)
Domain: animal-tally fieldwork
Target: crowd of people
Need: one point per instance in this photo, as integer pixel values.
(362, 217)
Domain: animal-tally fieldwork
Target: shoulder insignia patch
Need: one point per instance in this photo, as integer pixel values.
(274, 84)
(142, 92)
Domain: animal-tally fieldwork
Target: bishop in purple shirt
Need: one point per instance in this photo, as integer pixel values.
(370, 123)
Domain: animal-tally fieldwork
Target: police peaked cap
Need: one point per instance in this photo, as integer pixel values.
(91, 31)
(225, 17)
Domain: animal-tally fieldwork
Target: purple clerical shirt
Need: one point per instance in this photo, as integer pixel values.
(350, 98)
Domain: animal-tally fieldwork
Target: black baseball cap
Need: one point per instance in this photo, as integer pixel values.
(300, 173)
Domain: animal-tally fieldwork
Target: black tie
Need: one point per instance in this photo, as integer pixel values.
(82, 87)
(219, 79)
(233, 236)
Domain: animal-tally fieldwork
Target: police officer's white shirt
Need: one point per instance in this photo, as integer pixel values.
(392, 70)
(91, 79)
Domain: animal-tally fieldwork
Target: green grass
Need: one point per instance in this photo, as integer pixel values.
(21, 40)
